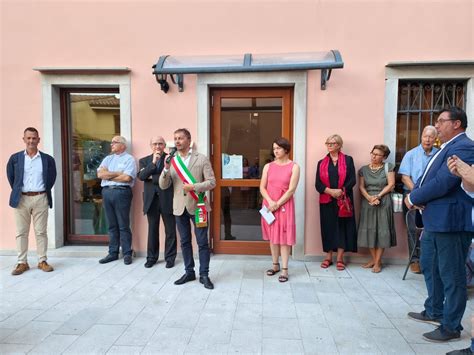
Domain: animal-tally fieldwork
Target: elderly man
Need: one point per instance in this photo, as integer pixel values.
(118, 172)
(191, 175)
(157, 202)
(31, 174)
(448, 229)
(466, 173)
(413, 164)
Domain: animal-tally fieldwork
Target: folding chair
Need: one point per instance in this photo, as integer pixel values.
(412, 220)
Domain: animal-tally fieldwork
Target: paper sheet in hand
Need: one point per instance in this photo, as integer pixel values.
(267, 215)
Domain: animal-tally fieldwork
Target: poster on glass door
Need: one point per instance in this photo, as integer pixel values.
(232, 166)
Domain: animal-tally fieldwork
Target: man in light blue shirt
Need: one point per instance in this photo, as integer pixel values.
(466, 172)
(411, 169)
(118, 172)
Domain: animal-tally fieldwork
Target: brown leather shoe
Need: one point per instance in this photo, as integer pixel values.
(45, 267)
(415, 267)
(20, 269)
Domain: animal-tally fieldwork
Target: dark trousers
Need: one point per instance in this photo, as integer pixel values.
(153, 246)
(416, 256)
(183, 223)
(227, 217)
(117, 204)
(445, 254)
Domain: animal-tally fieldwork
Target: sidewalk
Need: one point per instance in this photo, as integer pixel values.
(84, 308)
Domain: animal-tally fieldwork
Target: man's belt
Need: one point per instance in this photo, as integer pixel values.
(31, 193)
(117, 187)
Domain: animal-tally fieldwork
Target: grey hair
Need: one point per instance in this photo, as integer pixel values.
(121, 139)
(430, 128)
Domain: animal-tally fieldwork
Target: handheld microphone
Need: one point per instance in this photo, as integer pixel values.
(171, 155)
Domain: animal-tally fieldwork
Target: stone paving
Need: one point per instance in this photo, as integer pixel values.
(87, 308)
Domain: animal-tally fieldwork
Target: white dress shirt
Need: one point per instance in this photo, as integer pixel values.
(33, 174)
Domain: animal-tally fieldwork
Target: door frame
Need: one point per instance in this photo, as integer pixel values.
(298, 80)
(66, 140)
(52, 80)
(286, 93)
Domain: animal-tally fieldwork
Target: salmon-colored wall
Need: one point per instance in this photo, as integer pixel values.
(369, 34)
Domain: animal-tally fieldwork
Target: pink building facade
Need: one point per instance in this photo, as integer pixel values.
(55, 54)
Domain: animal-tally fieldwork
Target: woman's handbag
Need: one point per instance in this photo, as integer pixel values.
(345, 206)
(397, 202)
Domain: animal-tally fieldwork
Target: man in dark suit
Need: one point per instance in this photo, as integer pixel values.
(157, 202)
(31, 174)
(448, 229)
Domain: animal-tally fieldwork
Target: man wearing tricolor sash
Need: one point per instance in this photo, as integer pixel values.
(191, 175)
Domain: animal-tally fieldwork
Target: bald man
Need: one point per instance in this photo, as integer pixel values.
(156, 203)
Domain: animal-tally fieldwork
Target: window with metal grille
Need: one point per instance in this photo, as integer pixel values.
(419, 103)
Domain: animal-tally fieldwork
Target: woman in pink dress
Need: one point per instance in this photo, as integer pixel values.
(278, 184)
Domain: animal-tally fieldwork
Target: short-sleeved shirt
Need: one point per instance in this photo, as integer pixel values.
(119, 162)
(414, 163)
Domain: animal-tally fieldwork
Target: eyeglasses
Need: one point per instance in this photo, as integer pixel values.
(116, 142)
(442, 120)
(330, 144)
(376, 155)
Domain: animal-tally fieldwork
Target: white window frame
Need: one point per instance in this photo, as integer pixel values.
(297, 80)
(427, 71)
(52, 81)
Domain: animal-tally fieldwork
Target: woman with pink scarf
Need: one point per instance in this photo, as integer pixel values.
(335, 176)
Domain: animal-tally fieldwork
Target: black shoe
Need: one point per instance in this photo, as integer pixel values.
(127, 259)
(440, 335)
(108, 259)
(230, 237)
(461, 352)
(149, 263)
(185, 278)
(422, 317)
(206, 281)
(169, 264)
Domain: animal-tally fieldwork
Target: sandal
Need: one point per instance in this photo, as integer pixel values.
(271, 272)
(377, 268)
(340, 266)
(326, 263)
(368, 265)
(283, 278)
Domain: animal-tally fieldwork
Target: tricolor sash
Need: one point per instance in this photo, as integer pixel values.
(188, 178)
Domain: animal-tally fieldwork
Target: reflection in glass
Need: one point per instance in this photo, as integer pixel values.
(248, 127)
(240, 219)
(94, 121)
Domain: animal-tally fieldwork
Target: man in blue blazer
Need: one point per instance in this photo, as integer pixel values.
(448, 229)
(31, 175)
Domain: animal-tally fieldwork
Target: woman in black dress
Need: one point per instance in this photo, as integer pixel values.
(336, 173)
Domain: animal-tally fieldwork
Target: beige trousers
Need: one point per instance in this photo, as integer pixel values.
(36, 207)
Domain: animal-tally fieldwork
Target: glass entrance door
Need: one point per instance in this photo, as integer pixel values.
(90, 119)
(244, 124)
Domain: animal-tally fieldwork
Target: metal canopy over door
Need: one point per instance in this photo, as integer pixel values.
(244, 124)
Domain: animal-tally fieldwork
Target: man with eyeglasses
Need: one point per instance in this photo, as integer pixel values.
(157, 202)
(118, 172)
(411, 168)
(448, 229)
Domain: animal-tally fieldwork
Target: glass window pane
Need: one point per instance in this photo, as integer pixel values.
(247, 133)
(423, 100)
(240, 219)
(94, 119)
